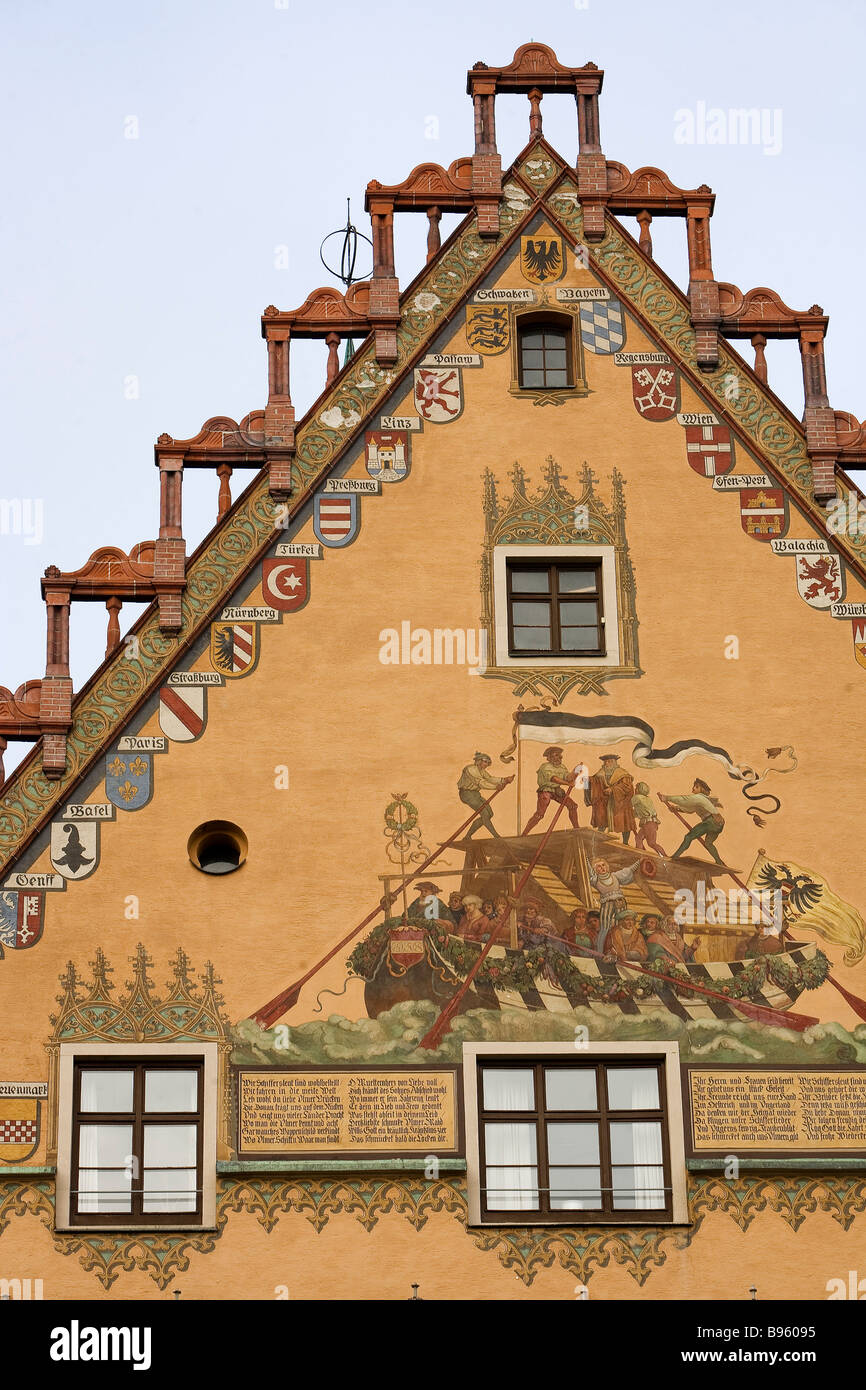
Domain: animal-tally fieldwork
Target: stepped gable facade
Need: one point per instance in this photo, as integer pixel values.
(453, 864)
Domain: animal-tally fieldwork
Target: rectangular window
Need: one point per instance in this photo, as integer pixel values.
(137, 1141)
(545, 356)
(555, 608)
(558, 1138)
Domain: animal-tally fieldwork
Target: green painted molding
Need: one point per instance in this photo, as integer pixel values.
(779, 1165)
(24, 1170)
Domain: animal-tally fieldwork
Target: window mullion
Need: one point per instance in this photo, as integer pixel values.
(555, 634)
(138, 1142)
(604, 1143)
(541, 1140)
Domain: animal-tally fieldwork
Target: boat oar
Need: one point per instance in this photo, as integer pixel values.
(268, 1014)
(442, 1024)
(852, 1000)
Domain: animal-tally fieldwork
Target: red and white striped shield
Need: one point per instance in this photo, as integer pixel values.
(183, 712)
(233, 647)
(335, 518)
(709, 449)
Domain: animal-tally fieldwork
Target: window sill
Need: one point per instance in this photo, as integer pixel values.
(127, 1230)
(617, 1224)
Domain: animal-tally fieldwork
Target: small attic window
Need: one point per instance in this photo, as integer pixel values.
(217, 847)
(545, 355)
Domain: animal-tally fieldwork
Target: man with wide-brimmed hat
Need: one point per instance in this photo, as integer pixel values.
(610, 793)
(554, 783)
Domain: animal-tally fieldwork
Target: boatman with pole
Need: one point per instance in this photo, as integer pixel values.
(474, 776)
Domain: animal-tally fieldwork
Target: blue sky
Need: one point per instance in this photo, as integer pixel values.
(136, 269)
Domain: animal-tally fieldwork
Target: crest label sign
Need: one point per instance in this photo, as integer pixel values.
(75, 848)
(542, 259)
(22, 917)
(655, 390)
(129, 779)
(286, 582)
(709, 449)
(387, 454)
(438, 394)
(488, 328)
(763, 512)
(336, 518)
(602, 326)
(234, 648)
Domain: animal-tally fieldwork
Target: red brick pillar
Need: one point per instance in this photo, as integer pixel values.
(591, 163)
(703, 289)
(818, 418)
(486, 162)
(384, 306)
(55, 696)
(169, 564)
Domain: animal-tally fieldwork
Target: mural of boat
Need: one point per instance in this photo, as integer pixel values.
(408, 957)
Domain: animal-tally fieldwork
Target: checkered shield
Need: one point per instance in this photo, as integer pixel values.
(602, 325)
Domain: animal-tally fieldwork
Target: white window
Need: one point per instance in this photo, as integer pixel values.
(568, 619)
(137, 1136)
(560, 1135)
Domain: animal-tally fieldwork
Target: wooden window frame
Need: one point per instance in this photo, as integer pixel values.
(137, 1117)
(554, 598)
(563, 324)
(603, 1115)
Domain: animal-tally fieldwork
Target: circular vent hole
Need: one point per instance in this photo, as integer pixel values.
(217, 847)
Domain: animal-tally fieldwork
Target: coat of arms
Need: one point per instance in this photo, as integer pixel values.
(75, 848)
(655, 389)
(234, 648)
(542, 259)
(129, 780)
(183, 712)
(387, 454)
(336, 517)
(820, 580)
(286, 583)
(438, 394)
(21, 919)
(19, 1127)
(602, 325)
(488, 328)
(709, 449)
(763, 513)
(858, 627)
